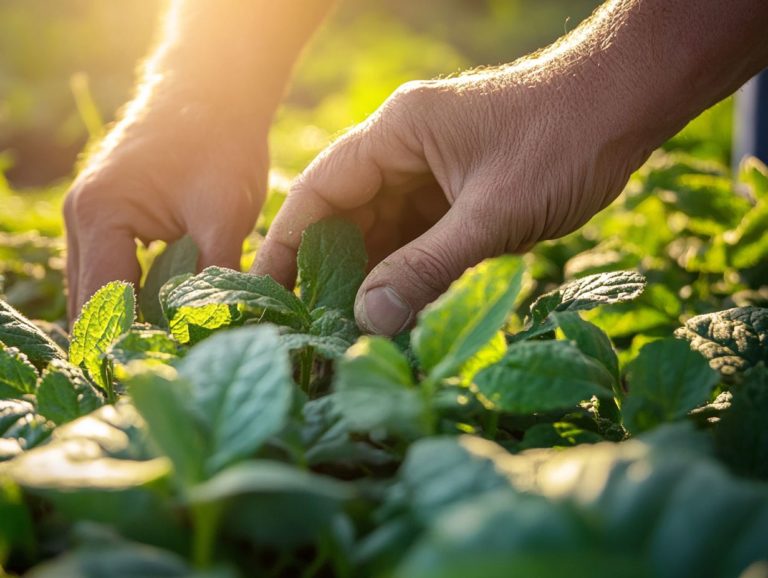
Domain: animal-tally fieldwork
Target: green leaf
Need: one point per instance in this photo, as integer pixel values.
(106, 316)
(374, 388)
(439, 472)
(327, 347)
(91, 453)
(165, 291)
(20, 428)
(163, 401)
(503, 534)
(656, 505)
(748, 243)
(191, 325)
(148, 345)
(467, 316)
(331, 262)
(64, 394)
(558, 434)
(241, 390)
(608, 256)
(754, 173)
(492, 352)
(101, 468)
(178, 258)
(582, 295)
(118, 560)
(630, 320)
(17, 331)
(261, 297)
(661, 513)
(298, 504)
(590, 339)
(16, 526)
(17, 375)
(666, 381)
(270, 477)
(330, 334)
(741, 435)
(332, 322)
(732, 340)
(328, 437)
(541, 376)
(708, 202)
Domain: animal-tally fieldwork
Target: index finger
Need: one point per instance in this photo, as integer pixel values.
(341, 178)
(345, 176)
(72, 258)
(104, 254)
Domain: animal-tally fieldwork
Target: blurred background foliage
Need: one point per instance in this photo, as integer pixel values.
(363, 53)
(66, 67)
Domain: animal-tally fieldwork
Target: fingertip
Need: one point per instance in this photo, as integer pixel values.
(382, 310)
(219, 251)
(276, 260)
(110, 255)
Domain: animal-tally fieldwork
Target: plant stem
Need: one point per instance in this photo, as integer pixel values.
(491, 425)
(322, 555)
(205, 518)
(305, 368)
(106, 375)
(427, 393)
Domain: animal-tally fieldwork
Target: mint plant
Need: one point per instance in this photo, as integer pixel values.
(231, 427)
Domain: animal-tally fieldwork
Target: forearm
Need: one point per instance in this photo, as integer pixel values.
(650, 66)
(234, 54)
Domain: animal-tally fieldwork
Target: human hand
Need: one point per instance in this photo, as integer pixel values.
(167, 169)
(449, 172)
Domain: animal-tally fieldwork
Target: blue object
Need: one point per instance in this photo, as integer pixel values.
(751, 122)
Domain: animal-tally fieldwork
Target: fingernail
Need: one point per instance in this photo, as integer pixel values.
(383, 311)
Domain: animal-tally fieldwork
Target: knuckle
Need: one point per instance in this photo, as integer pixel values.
(90, 202)
(69, 209)
(416, 96)
(80, 204)
(428, 269)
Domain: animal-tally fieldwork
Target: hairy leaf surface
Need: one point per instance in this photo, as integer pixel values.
(17, 375)
(106, 316)
(18, 331)
(732, 340)
(582, 295)
(261, 296)
(330, 334)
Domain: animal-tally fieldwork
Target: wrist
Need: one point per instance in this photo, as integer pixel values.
(651, 66)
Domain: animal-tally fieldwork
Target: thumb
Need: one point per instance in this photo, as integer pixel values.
(384, 151)
(414, 276)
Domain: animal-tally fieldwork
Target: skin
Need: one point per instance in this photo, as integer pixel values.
(189, 154)
(446, 172)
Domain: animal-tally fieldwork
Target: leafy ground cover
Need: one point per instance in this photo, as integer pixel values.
(596, 408)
